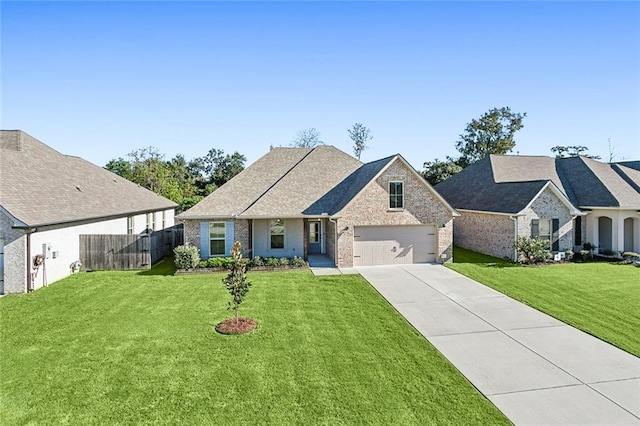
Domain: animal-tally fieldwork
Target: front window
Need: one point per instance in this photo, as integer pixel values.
(277, 234)
(216, 238)
(164, 219)
(148, 228)
(544, 229)
(396, 200)
(153, 221)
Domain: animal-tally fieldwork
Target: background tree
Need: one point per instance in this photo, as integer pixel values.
(307, 138)
(572, 151)
(492, 133)
(184, 182)
(121, 167)
(215, 169)
(359, 134)
(436, 171)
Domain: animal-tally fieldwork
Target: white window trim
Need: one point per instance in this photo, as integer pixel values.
(401, 195)
(284, 231)
(224, 238)
(548, 236)
(130, 225)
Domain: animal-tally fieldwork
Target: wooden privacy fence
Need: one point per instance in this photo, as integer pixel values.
(124, 252)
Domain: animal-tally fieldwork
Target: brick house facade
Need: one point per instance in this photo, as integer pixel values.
(341, 197)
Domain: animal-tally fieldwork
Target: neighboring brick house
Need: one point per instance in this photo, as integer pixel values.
(47, 200)
(569, 201)
(306, 201)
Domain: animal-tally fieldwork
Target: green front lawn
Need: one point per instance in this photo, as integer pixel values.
(600, 298)
(130, 348)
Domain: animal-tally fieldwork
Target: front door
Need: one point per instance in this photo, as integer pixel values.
(315, 237)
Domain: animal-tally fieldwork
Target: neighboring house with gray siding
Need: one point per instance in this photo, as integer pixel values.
(569, 201)
(47, 200)
(306, 201)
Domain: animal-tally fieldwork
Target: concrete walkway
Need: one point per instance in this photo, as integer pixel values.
(534, 368)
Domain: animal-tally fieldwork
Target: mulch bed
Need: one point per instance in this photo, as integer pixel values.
(231, 326)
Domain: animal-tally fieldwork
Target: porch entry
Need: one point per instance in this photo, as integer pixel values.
(315, 237)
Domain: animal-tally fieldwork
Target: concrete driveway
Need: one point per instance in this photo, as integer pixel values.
(534, 368)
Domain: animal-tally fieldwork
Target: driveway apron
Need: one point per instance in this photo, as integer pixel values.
(534, 368)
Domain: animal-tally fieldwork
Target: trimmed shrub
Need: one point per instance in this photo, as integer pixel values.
(298, 262)
(607, 252)
(284, 261)
(631, 257)
(257, 261)
(220, 262)
(272, 262)
(186, 256)
(532, 250)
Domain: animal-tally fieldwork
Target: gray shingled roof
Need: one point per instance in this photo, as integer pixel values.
(475, 188)
(319, 172)
(284, 182)
(631, 175)
(506, 184)
(512, 168)
(237, 195)
(597, 184)
(40, 186)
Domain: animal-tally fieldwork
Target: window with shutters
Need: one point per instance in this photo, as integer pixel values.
(544, 229)
(217, 237)
(547, 229)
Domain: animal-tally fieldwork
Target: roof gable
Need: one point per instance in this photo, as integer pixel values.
(40, 186)
(339, 196)
(558, 193)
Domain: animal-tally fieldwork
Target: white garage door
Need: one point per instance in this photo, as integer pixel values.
(388, 245)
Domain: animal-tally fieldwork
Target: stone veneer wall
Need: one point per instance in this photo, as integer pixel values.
(549, 206)
(486, 233)
(241, 232)
(15, 253)
(371, 207)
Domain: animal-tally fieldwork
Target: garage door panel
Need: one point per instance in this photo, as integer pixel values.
(387, 245)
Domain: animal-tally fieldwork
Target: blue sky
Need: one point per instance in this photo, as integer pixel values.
(100, 79)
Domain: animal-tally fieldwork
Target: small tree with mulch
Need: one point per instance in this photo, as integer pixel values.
(238, 286)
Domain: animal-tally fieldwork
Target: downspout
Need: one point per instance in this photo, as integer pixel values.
(573, 227)
(28, 262)
(515, 236)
